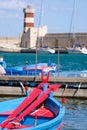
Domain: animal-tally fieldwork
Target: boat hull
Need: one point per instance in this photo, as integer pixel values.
(31, 70)
(46, 50)
(43, 123)
(77, 50)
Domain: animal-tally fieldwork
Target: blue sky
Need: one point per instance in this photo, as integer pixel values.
(56, 15)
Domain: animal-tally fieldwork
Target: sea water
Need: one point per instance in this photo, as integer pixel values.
(76, 110)
(66, 61)
(75, 115)
(73, 65)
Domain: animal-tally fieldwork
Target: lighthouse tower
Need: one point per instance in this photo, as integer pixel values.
(28, 18)
(29, 36)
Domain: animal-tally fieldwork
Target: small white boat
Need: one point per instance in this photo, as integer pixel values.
(2, 66)
(77, 48)
(46, 50)
(84, 50)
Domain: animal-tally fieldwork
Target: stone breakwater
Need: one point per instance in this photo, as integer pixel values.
(56, 40)
(10, 44)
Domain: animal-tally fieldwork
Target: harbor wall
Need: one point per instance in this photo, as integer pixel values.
(63, 40)
(56, 40)
(10, 41)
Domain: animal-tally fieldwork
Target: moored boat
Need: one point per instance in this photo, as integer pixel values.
(30, 69)
(77, 49)
(46, 50)
(75, 46)
(2, 66)
(38, 111)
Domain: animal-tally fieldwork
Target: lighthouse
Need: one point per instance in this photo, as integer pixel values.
(30, 33)
(28, 18)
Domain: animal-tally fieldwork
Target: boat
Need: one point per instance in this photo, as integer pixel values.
(42, 48)
(2, 62)
(30, 69)
(46, 50)
(33, 69)
(41, 67)
(77, 49)
(75, 45)
(38, 111)
(2, 66)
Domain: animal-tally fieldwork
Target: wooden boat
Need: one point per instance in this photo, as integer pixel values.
(30, 69)
(38, 111)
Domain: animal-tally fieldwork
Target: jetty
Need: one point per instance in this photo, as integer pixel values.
(16, 86)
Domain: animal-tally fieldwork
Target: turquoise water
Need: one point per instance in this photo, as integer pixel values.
(73, 65)
(67, 62)
(76, 110)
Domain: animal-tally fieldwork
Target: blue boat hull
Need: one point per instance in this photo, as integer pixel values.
(43, 123)
(38, 111)
(31, 70)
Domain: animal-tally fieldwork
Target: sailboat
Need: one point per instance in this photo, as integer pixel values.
(46, 49)
(76, 46)
(43, 49)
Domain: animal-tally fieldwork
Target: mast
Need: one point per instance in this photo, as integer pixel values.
(74, 11)
(41, 22)
(72, 24)
(58, 60)
(37, 42)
